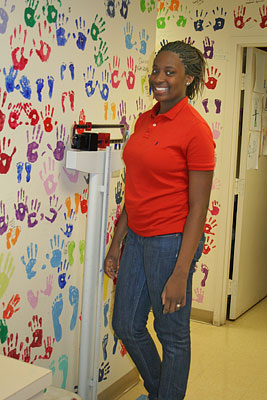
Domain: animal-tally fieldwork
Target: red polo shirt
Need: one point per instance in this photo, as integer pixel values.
(158, 156)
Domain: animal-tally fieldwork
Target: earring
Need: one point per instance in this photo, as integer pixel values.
(187, 83)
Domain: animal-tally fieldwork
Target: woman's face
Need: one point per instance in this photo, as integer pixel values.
(168, 80)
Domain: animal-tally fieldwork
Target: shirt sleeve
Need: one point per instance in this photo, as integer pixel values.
(201, 149)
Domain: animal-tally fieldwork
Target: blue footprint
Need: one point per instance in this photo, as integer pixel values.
(106, 308)
(19, 171)
(28, 168)
(104, 346)
(57, 308)
(74, 301)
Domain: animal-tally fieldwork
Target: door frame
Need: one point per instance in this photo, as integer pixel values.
(229, 154)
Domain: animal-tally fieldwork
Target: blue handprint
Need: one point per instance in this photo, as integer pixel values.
(89, 81)
(69, 223)
(128, 33)
(219, 20)
(26, 90)
(10, 79)
(198, 24)
(30, 263)
(104, 91)
(61, 35)
(143, 41)
(57, 249)
(124, 8)
(82, 36)
(63, 271)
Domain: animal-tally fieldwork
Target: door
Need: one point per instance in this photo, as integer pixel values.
(248, 283)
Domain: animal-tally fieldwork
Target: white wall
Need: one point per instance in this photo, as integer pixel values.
(57, 60)
(212, 27)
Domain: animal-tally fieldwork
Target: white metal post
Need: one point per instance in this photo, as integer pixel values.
(91, 268)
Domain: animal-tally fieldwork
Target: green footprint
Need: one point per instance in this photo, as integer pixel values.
(82, 248)
(71, 248)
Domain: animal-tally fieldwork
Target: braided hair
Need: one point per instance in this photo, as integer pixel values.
(194, 63)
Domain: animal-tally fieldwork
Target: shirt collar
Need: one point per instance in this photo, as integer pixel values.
(171, 114)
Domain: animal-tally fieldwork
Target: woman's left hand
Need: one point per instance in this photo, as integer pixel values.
(174, 294)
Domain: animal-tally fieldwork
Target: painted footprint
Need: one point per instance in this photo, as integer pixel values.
(74, 301)
(57, 308)
(19, 171)
(63, 365)
(82, 250)
(71, 248)
(106, 308)
(104, 346)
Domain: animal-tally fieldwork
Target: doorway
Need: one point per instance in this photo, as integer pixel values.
(248, 265)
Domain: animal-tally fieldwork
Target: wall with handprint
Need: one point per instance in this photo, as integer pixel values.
(209, 26)
(61, 63)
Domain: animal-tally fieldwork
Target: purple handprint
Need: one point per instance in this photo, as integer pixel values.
(4, 18)
(32, 220)
(122, 116)
(3, 218)
(21, 208)
(59, 150)
(54, 208)
(208, 47)
(33, 143)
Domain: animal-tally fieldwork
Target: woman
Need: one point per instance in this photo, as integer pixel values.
(169, 168)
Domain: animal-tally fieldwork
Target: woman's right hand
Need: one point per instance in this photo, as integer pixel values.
(111, 263)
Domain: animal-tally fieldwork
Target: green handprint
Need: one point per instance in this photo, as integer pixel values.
(30, 16)
(99, 57)
(6, 274)
(3, 331)
(97, 27)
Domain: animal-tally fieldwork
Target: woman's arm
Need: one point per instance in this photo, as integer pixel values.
(174, 291)
(112, 258)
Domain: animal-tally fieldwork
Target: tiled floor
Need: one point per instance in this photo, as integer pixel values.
(228, 362)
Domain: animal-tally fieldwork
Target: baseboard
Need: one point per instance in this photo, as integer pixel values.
(201, 315)
(119, 387)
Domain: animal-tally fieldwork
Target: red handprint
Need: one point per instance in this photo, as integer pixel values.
(84, 201)
(208, 245)
(48, 348)
(209, 226)
(45, 50)
(26, 356)
(215, 208)
(239, 17)
(114, 72)
(2, 115)
(47, 118)
(11, 307)
(12, 347)
(263, 14)
(130, 79)
(31, 113)
(213, 76)
(14, 115)
(20, 63)
(37, 331)
(5, 160)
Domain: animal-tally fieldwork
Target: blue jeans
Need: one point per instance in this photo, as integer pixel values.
(146, 265)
